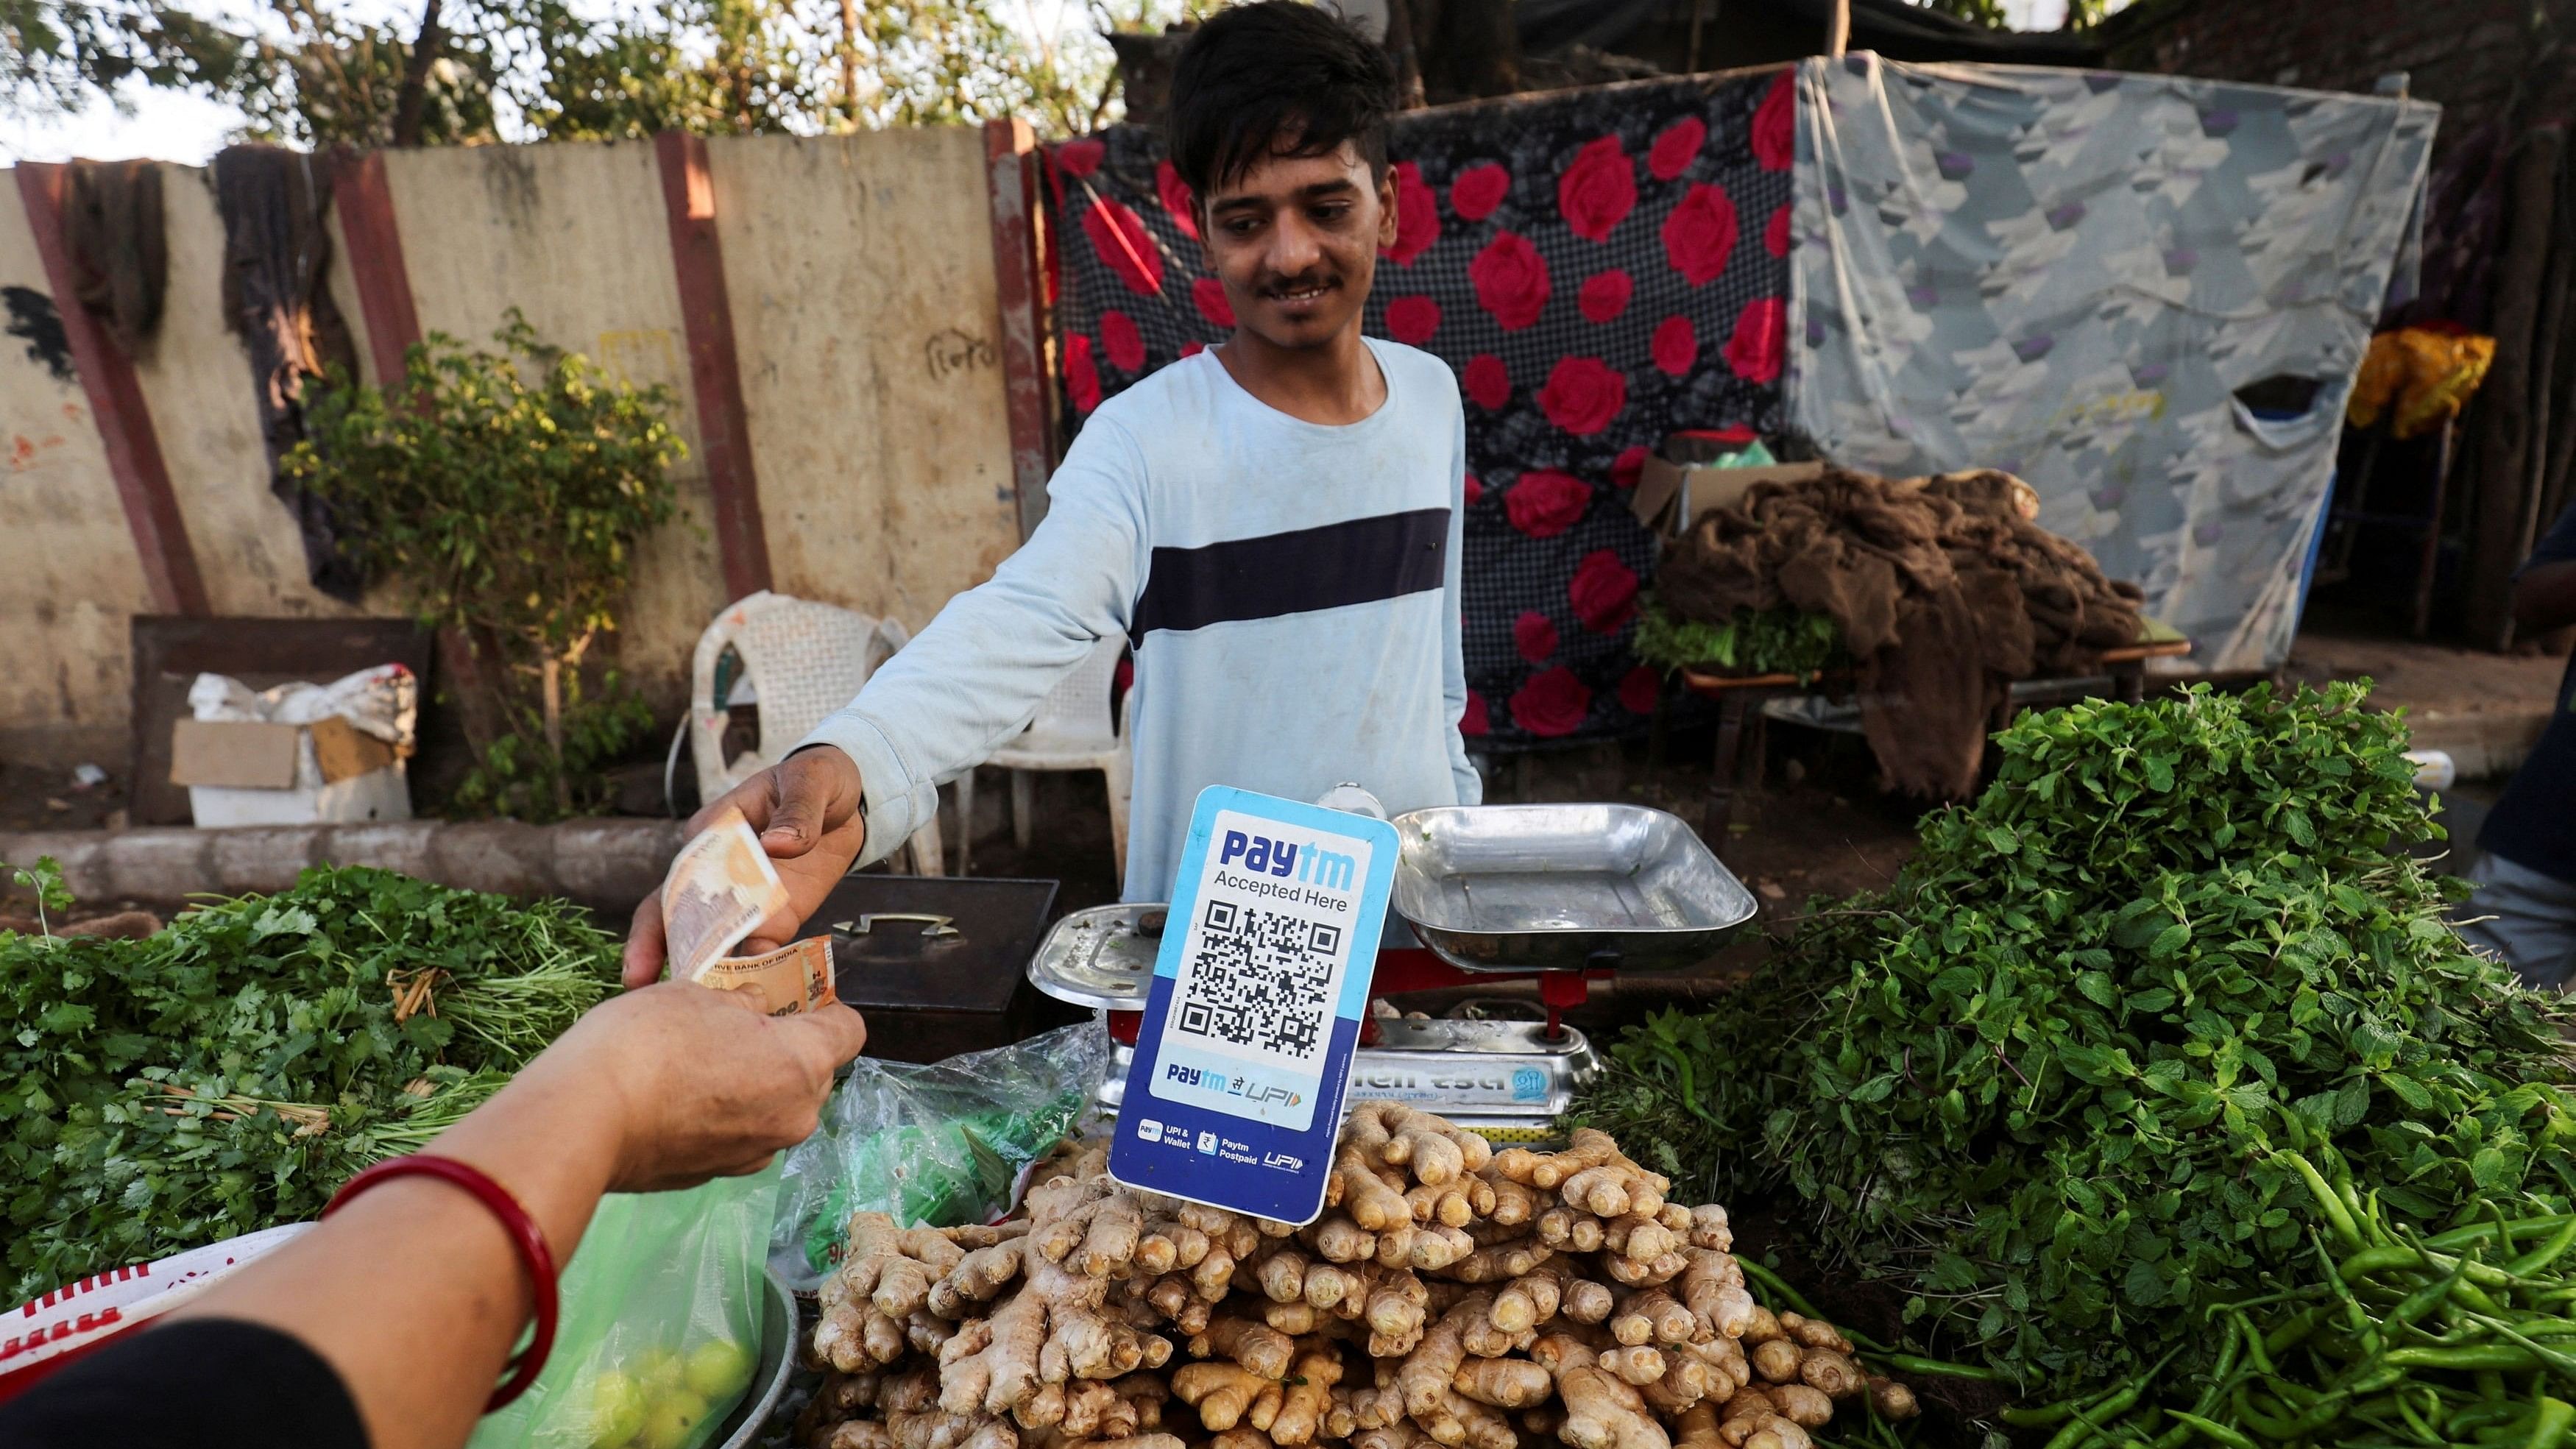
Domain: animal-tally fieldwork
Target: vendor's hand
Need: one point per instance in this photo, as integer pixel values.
(693, 1083)
(806, 810)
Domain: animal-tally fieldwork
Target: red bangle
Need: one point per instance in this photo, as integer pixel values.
(534, 1255)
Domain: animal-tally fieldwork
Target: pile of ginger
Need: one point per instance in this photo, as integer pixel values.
(1449, 1296)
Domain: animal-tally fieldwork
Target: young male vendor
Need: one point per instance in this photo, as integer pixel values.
(1273, 523)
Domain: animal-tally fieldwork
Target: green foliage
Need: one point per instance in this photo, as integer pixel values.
(44, 880)
(318, 72)
(2038, 1083)
(58, 55)
(1766, 641)
(505, 491)
(520, 778)
(227, 1074)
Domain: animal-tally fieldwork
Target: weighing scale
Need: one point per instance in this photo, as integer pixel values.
(1565, 894)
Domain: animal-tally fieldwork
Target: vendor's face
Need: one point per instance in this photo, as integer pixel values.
(1295, 241)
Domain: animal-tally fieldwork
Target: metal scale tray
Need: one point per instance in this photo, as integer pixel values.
(1563, 888)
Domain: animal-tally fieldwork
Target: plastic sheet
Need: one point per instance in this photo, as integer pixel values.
(933, 1145)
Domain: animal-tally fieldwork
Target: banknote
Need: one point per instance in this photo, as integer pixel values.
(720, 887)
(790, 979)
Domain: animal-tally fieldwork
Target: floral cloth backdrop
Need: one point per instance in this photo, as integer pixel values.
(2068, 274)
(1600, 267)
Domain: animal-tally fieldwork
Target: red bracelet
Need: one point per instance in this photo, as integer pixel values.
(524, 1235)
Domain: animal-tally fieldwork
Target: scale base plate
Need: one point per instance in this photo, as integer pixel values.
(1505, 1079)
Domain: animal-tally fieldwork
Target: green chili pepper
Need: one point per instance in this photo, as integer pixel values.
(2547, 1253)
(2549, 1426)
(2483, 1416)
(2336, 1214)
(2463, 1358)
(2556, 1361)
(2254, 1348)
(2214, 1432)
(2458, 1238)
(2294, 1330)
(2089, 1421)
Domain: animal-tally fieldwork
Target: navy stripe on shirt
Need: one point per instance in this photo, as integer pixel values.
(1361, 561)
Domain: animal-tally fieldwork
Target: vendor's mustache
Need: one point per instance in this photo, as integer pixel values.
(1300, 283)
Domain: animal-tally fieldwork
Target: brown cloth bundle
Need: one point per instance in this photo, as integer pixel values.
(1944, 589)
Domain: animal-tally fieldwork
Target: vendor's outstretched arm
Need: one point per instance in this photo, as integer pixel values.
(944, 702)
(976, 675)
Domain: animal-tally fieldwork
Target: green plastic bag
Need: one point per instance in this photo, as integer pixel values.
(659, 1333)
(931, 1146)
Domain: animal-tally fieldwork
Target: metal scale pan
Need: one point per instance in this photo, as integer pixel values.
(1523, 888)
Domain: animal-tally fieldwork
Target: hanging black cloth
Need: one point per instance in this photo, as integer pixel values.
(277, 255)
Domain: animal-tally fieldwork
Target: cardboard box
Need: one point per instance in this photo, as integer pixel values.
(234, 754)
(1670, 497)
(345, 751)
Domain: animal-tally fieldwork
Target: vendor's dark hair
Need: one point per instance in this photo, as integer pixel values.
(1276, 78)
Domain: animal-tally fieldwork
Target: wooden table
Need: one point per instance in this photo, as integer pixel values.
(1740, 718)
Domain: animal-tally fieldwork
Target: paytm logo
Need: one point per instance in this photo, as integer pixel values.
(1150, 1130)
(1306, 863)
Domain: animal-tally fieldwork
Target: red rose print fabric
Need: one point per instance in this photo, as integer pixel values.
(1124, 344)
(1417, 215)
(1582, 395)
(1606, 296)
(1598, 190)
(1699, 236)
(1478, 190)
(1412, 321)
(1511, 280)
(1603, 270)
(1545, 502)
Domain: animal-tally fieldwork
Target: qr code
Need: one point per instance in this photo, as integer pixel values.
(1259, 979)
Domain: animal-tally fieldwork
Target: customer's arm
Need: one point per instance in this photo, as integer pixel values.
(413, 1293)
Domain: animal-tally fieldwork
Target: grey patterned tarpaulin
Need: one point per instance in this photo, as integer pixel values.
(2070, 275)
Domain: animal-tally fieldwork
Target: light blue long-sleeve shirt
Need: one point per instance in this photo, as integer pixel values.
(1290, 590)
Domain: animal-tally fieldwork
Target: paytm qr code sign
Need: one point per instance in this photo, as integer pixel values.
(1243, 1058)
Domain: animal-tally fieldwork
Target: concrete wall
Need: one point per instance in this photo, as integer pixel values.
(870, 364)
(860, 270)
(575, 237)
(69, 578)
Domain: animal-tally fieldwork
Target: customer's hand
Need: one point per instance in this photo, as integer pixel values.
(806, 809)
(696, 1083)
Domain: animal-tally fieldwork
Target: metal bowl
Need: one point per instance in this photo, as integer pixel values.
(741, 1428)
(1564, 888)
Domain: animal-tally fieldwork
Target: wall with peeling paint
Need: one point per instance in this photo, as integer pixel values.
(862, 289)
(69, 579)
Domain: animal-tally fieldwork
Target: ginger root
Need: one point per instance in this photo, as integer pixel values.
(1502, 1300)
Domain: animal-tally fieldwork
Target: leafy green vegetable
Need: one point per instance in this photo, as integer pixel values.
(228, 1073)
(1766, 641)
(2040, 1082)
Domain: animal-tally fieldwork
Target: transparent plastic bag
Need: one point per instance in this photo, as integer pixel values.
(659, 1334)
(934, 1145)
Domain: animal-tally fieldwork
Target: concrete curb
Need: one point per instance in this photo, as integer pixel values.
(606, 864)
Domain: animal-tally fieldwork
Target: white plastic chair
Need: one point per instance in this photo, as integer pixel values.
(802, 660)
(1070, 731)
